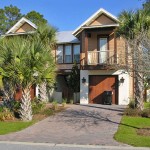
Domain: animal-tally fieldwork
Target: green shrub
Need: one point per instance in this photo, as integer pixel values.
(16, 105)
(132, 104)
(132, 112)
(47, 112)
(1, 109)
(6, 114)
(146, 113)
(147, 105)
(14, 109)
(64, 102)
(37, 107)
(71, 101)
(55, 105)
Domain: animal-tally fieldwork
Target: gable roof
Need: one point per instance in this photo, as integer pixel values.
(66, 37)
(93, 17)
(19, 24)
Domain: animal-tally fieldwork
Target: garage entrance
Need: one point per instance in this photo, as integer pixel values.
(99, 84)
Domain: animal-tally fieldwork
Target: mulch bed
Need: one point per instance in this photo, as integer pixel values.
(144, 131)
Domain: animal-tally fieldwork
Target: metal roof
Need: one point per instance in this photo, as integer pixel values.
(66, 37)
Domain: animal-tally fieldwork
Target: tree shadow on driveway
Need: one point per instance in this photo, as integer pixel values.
(87, 119)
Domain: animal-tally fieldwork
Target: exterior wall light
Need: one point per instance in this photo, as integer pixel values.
(83, 80)
(121, 80)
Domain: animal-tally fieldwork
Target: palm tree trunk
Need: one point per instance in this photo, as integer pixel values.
(43, 92)
(139, 89)
(26, 107)
(139, 83)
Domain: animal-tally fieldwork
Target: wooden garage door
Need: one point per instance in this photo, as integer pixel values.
(99, 84)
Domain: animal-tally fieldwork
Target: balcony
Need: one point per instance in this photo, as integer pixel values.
(101, 57)
(107, 59)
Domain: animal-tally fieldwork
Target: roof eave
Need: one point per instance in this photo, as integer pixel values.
(19, 24)
(100, 26)
(92, 27)
(19, 33)
(96, 14)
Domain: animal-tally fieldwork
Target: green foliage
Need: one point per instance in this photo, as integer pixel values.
(22, 57)
(6, 114)
(1, 109)
(133, 22)
(74, 78)
(134, 27)
(37, 107)
(132, 112)
(9, 15)
(127, 131)
(71, 101)
(132, 104)
(146, 113)
(147, 105)
(2, 22)
(36, 18)
(47, 112)
(16, 105)
(64, 100)
(146, 5)
(55, 105)
(11, 107)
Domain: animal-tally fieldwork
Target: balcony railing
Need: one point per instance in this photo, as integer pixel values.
(102, 57)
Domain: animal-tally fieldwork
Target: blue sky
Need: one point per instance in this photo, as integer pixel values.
(69, 14)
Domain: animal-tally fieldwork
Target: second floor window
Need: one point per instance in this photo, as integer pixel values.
(59, 54)
(68, 54)
(76, 54)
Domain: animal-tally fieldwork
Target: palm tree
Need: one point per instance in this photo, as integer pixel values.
(29, 55)
(132, 26)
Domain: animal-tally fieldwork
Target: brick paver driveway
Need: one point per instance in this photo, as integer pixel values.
(89, 124)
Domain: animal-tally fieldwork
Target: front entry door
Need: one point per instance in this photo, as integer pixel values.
(98, 84)
(103, 47)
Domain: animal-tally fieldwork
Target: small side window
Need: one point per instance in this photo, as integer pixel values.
(59, 54)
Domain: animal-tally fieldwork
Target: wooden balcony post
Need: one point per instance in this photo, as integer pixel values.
(115, 48)
(86, 49)
(84, 45)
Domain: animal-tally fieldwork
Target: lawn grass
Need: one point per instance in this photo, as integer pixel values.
(147, 105)
(127, 131)
(8, 127)
(14, 126)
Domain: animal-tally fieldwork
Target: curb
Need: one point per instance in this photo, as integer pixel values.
(75, 145)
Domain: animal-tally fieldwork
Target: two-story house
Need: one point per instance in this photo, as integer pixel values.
(99, 53)
(101, 57)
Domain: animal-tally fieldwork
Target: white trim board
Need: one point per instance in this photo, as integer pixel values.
(19, 24)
